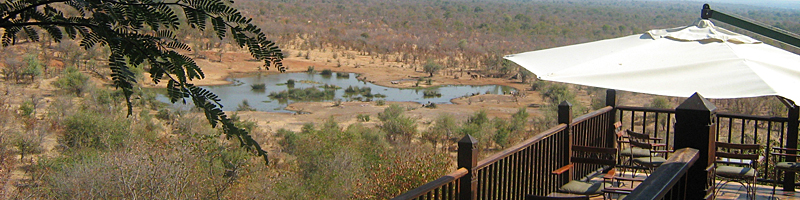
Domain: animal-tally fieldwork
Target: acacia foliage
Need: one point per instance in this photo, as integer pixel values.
(144, 32)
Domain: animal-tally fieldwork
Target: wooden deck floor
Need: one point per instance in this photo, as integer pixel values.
(735, 191)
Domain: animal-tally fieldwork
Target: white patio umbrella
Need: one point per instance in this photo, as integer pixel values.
(702, 58)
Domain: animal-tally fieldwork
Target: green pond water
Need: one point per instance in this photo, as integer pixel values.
(233, 94)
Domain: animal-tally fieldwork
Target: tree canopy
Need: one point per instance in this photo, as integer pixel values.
(141, 32)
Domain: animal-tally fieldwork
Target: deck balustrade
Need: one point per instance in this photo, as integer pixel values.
(525, 168)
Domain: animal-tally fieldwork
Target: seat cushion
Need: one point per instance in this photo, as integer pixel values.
(648, 161)
(584, 188)
(733, 171)
(636, 152)
(788, 165)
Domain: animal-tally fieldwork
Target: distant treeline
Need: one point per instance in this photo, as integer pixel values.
(475, 34)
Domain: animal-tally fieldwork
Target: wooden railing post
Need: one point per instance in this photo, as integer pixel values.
(611, 97)
(611, 100)
(694, 128)
(565, 113)
(565, 117)
(468, 159)
(791, 142)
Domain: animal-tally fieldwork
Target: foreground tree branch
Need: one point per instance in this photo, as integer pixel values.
(143, 32)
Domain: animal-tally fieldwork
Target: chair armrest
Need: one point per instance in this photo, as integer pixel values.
(621, 134)
(785, 154)
(617, 190)
(610, 174)
(785, 149)
(621, 178)
(562, 169)
(663, 151)
(659, 145)
(711, 167)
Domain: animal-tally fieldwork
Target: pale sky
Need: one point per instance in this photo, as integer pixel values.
(789, 4)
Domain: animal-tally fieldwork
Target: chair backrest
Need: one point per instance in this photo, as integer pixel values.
(594, 155)
(726, 152)
(639, 140)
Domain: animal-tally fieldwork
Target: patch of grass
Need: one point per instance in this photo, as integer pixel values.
(431, 93)
(307, 94)
(258, 87)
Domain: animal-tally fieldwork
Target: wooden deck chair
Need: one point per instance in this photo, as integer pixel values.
(626, 152)
(782, 165)
(737, 162)
(605, 158)
(655, 151)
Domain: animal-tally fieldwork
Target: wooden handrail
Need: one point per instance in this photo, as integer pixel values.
(753, 117)
(591, 115)
(421, 190)
(645, 109)
(660, 182)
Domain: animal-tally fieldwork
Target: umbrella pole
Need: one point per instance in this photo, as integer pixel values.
(756, 27)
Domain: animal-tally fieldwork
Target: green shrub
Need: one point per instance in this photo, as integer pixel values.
(380, 102)
(363, 118)
(396, 124)
(164, 114)
(310, 69)
(258, 87)
(660, 102)
(503, 132)
(431, 93)
(27, 144)
(93, 130)
(34, 67)
(27, 108)
(443, 129)
(307, 94)
(326, 72)
(72, 80)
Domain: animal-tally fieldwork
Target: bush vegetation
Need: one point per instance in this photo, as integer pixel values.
(72, 81)
(431, 93)
(326, 72)
(306, 94)
(258, 87)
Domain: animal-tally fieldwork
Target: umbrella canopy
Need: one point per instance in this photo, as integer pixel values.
(674, 62)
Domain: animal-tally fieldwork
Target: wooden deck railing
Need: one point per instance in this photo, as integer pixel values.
(525, 167)
(445, 187)
(730, 128)
(663, 183)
